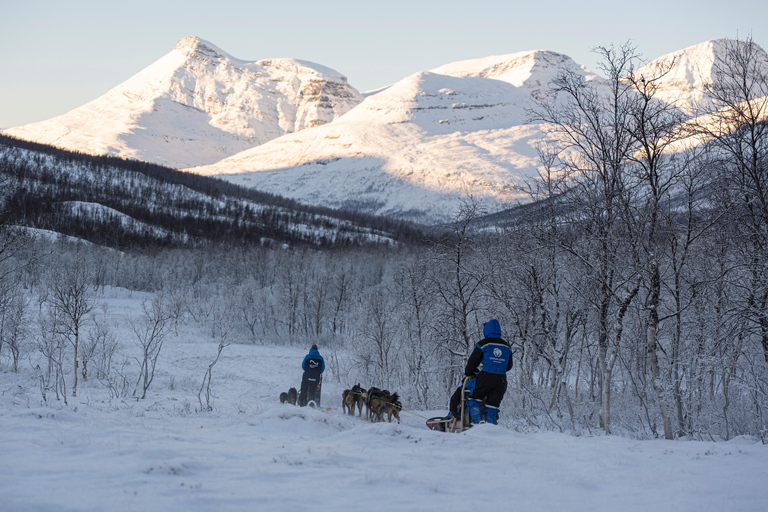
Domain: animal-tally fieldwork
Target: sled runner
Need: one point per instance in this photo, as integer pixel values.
(441, 424)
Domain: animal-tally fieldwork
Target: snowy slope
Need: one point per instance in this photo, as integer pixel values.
(252, 453)
(103, 200)
(687, 72)
(419, 147)
(197, 105)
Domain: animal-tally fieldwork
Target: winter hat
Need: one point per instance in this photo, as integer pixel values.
(314, 347)
(492, 329)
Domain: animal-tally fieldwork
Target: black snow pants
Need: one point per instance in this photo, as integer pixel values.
(490, 386)
(309, 390)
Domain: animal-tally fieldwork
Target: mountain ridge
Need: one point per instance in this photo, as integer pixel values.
(418, 148)
(414, 150)
(198, 104)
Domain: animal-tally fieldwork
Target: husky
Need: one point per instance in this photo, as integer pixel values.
(289, 397)
(347, 402)
(377, 405)
(372, 393)
(392, 407)
(352, 397)
(382, 401)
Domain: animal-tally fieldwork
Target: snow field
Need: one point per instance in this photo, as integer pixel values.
(253, 453)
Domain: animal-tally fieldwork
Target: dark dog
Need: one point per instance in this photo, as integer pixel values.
(393, 407)
(360, 395)
(352, 397)
(378, 404)
(289, 397)
(372, 393)
(381, 402)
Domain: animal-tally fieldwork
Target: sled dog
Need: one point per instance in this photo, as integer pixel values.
(352, 397)
(372, 393)
(380, 402)
(393, 407)
(289, 397)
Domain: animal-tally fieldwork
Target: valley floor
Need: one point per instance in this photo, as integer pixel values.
(252, 453)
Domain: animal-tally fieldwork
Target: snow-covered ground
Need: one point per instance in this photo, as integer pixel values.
(253, 453)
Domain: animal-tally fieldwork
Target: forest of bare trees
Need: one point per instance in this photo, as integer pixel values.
(634, 291)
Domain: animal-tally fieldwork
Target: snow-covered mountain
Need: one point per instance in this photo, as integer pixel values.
(419, 147)
(687, 72)
(197, 105)
(414, 149)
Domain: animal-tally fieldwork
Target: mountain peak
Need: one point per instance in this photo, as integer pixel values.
(687, 72)
(197, 105)
(514, 68)
(194, 44)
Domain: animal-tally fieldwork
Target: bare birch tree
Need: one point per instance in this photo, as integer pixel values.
(150, 331)
(71, 297)
(739, 130)
(589, 122)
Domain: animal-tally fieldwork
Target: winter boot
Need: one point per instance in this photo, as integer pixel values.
(475, 410)
(491, 415)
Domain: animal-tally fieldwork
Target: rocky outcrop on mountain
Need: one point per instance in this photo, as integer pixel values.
(198, 105)
(415, 149)
(418, 148)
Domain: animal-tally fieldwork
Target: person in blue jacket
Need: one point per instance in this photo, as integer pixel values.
(313, 366)
(495, 355)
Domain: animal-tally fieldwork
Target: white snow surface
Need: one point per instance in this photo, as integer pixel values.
(415, 149)
(687, 72)
(197, 105)
(419, 147)
(253, 453)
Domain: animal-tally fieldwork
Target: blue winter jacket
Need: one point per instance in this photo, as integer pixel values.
(493, 352)
(312, 361)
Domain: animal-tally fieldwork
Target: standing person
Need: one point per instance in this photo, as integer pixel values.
(313, 366)
(495, 355)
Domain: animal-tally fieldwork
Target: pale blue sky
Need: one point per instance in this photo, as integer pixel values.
(55, 56)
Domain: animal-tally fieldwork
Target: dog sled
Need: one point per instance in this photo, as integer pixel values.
(451, 423)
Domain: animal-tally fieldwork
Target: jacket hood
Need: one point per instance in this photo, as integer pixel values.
(313, 353)
(492, 329)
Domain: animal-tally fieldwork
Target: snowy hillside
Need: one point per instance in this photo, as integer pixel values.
(688, 71)
(101, 452)
(128, 204)
(417, 148)
(413, 150)
(197, 105)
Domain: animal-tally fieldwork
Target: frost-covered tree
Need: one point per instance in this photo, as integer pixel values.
(71, 297)
(590, 123)
(150, 330)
